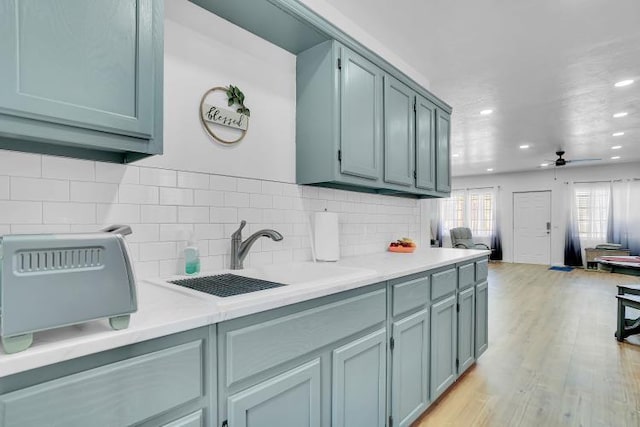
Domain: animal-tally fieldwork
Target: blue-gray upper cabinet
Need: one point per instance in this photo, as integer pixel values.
(338, 119)
(82, 79)
(425, 144)
(399, 131)
(443, 156)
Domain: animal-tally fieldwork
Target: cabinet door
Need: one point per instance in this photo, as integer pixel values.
(360, 116)
(443, 345)
(399, 137)
(482, 318)
(410, 368)
(359, 382)
(86, 64)
(291, 399)
(195, 419)
(425, 144)
(466, 327)
(443, 157)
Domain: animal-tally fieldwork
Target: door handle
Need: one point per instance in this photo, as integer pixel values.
(548, 227)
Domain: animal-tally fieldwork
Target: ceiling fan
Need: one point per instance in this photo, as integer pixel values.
(561, 161)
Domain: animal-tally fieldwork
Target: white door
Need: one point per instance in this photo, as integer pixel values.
(532, 227)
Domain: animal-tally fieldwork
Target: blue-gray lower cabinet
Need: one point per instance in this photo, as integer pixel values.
(359, 382)
(82, 79)
(410, 368)
(162, 381)
(291, 399)
(443, 345)
(192, 420)
(466, 329)
(482, 318)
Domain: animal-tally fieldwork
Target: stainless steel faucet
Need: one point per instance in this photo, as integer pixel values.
(240, 249)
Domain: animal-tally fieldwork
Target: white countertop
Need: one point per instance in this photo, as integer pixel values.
(165, 309)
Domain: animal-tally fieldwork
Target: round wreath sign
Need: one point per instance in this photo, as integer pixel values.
(214, 115)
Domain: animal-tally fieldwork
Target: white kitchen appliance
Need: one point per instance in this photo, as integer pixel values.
(53, 280)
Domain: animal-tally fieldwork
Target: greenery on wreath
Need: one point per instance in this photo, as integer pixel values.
(235, 96)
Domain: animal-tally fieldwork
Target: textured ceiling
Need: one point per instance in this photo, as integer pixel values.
(546, 68)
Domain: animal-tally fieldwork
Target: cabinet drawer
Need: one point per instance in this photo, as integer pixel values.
(482, 270)
(466, 275)
(122, 393)
(265, 345)
(443, 283)
(410, 294)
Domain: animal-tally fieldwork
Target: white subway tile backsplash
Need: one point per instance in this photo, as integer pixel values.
(193, 214)
(39, 189)
(158, 251)
(39, 228)
(223, 215)
(159, 214)
(159, 177)
(144, 233)
(65, 168)
(142, 194)
(209, 231)
(208, 198)
(117, 174)
(175, 232)
(223, 183)
(193, 180)
(249, 185)
(68, 213)
(93, 192)
(273, 188)
(114, 213)
(263, 201)
(49, 194)
(237, 200)
(13, 163)
(250, 215)
(176, 196)
(4, 188)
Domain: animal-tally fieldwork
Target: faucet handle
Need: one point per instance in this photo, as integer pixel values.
(238, 233)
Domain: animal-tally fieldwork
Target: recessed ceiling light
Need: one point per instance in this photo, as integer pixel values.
(486, 112)
(490, 170)
(455, 155)
(623, 83)
(544, 164)
(615, 157)
(616, 147)
(525, 146)
(618, 134)
(621, 114)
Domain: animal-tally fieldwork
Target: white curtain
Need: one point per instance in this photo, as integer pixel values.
(624, 224)
(592, 213)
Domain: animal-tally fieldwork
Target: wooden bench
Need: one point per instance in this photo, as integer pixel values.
(628, 296)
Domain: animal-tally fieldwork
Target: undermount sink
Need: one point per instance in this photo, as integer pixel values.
(307, 273)
(226, 285)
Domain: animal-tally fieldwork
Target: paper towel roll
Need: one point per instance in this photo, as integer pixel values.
(325, 236)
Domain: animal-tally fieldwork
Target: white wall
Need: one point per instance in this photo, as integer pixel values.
(199, 185)
(553, 180)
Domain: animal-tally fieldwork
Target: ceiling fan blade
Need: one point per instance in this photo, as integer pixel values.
(582, 160)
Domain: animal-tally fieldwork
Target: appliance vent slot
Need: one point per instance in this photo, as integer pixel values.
(35, 261)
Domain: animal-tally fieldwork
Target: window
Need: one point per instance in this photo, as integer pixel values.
(592, 210)
(469, 208)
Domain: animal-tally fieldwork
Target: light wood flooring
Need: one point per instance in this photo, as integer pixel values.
(552, 357)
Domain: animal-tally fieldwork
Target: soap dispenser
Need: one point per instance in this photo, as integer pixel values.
(191, 257)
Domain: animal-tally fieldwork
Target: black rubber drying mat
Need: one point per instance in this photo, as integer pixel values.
(226, 285)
